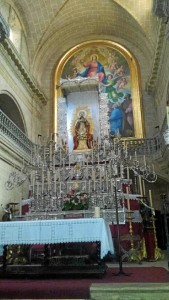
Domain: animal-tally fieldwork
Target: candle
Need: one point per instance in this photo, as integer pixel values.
(48, 180)
(144, 191)
(140, 186)
(167, 108)
(87, 171)
(104, 148)
(33, 187)
(144, 160)
(59, 174)
(44, 154)
(50, 152)
(97, 212)
(100, 178)
(55, 183)
(93, 174)
(126, 148)
(37, 189)
(107, 181)
(150, 198)
(89, 186)
(111, 186)
(20, 206)
(128, 200)
(94, 184)
(54, 136)
(31, 178)
(128, 176)
(60, 156)
(42, 178)
(54, 160)
(121, 171)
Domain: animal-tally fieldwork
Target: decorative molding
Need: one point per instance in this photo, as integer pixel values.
(12, 53)
(14, 56)
(4, 29)
(161, 10)
(151, 84)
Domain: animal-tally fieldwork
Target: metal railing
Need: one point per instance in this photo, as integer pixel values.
(10, 130)
(151, 146)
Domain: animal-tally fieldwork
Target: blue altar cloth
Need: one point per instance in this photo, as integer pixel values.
(57, 231)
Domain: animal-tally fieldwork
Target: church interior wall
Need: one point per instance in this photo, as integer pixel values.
(11, 160)
(5, 196)
(17, 32)
(160, 187)
(38, 118)
(161, 93)
(29, 106)
(150, 115)
(14, 195)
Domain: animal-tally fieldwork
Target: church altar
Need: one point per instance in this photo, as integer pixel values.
(57, 231)
(85, 168)
(61, 232)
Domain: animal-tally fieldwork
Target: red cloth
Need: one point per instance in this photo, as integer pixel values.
(25, 209)
(150, 243)
(124, 231)
(134, 204)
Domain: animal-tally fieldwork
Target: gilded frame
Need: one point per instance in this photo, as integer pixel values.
(135, 82)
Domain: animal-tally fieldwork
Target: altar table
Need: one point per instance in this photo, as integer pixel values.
(57, 231)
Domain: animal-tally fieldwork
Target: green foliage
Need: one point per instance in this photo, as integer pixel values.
(75, 203)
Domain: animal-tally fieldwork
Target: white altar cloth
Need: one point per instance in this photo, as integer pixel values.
(57, 231)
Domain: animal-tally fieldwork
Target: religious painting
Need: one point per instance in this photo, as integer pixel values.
(110, 68)
(82, 120)
(97, 95)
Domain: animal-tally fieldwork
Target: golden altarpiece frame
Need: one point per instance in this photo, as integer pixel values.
(99, 80)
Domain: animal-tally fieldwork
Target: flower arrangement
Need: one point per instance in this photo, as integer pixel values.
(76, 201)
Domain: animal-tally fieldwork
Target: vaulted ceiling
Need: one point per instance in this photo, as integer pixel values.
(53, 27)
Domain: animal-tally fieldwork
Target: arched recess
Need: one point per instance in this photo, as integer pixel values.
(10, 108)
(139, 131)
(17, 31)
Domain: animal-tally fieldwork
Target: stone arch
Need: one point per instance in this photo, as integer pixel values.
(135, 80)
(10, 107)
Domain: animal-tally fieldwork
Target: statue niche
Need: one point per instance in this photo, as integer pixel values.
(82, 136)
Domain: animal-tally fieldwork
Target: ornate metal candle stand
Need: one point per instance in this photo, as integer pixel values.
(55, 172)
(133, 253)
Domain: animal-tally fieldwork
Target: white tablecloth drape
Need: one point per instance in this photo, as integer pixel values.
(57, 231)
